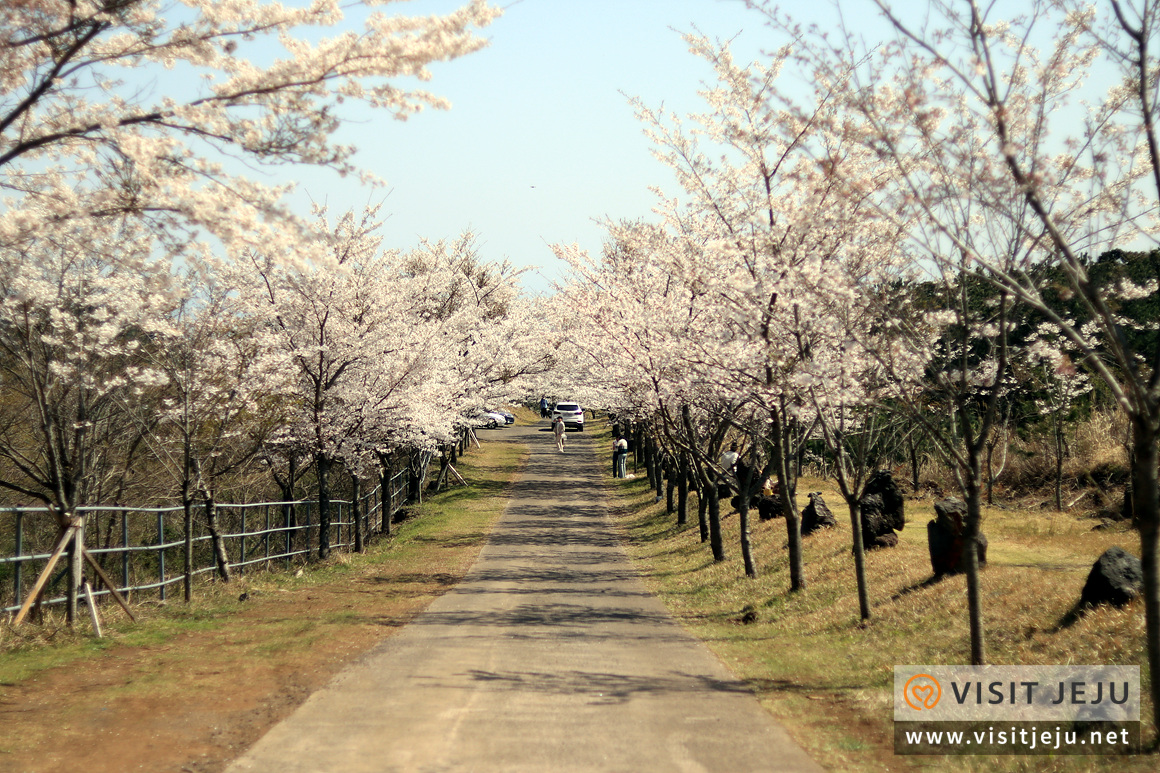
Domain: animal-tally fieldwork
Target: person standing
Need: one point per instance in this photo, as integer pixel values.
(729, 458)
(543, 407)
(620, 458)
(559, 429)
(729, 461)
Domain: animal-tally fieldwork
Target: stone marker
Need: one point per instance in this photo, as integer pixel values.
(768, 507)
(882, 511)
(882, 484)
(945, 541)
(816, 515)
(1116, 578)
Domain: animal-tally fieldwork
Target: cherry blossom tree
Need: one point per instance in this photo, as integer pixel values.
(144, 108)
(329, 317)
(736, 166)
(975, 120)
(1062, 385)
(627, 325)
(772, 238)
(222, 398)
(78, 310)
(391, 350)
(474, 348)
(120, 128)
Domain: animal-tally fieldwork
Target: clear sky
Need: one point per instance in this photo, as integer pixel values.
(540, 143)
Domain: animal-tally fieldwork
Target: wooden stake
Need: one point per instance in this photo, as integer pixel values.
(93, 610)
(109, 584)
(455, 472)
(45, 574)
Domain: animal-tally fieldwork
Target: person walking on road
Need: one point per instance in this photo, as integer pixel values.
(543, 407)
(559, 429)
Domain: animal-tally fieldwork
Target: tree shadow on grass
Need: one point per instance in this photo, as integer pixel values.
(1071, 617)
(927, 583)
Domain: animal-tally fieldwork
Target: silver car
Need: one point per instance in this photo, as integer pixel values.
(571, 413)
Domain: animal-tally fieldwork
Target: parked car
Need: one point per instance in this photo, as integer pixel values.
(489, 419)
(508, 416)
(571, 413)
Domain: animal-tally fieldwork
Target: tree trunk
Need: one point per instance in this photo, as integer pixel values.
(793, 533)
(991, 479)
(76, 566)
(859, 557)
(1146, 504)
(356, 513)
(716, 541)
(289, 514)
(1058, 464)
(745, 489)
(746, 543)
(648, 462)
(444, 465)
(670, 487)
(703, 513)
(187, 527)
(658, 473)
(683, 491)
(414, 482)
(913, 448)
(637, 448)
(215, 535)
(974, 591)
(793, 526)
(322, 464)
(187, 494)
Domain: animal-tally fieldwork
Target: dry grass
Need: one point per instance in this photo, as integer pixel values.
(1095, 465)
(830, 679)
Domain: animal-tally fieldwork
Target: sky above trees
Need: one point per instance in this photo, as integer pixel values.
(541, 141)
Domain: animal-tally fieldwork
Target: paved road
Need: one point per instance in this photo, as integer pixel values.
(549, 656)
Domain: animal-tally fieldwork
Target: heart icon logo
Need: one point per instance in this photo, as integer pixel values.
(922, 691)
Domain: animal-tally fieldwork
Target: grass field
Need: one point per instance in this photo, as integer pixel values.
(830, 679)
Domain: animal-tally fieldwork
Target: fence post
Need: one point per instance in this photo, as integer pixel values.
(161, 553)
(242, 561)
(356, 513)
(286, 510)
(309, 548)
(125, 550)
(19, 552)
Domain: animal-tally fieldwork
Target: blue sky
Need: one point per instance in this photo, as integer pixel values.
(540, 142)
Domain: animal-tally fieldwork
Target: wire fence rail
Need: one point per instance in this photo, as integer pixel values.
(150, 544)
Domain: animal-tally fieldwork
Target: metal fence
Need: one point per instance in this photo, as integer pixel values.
(150, 552)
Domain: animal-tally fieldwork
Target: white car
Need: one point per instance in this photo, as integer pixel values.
(489, 419)
(571, 413)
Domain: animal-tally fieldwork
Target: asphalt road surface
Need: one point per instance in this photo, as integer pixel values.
(549, 656)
